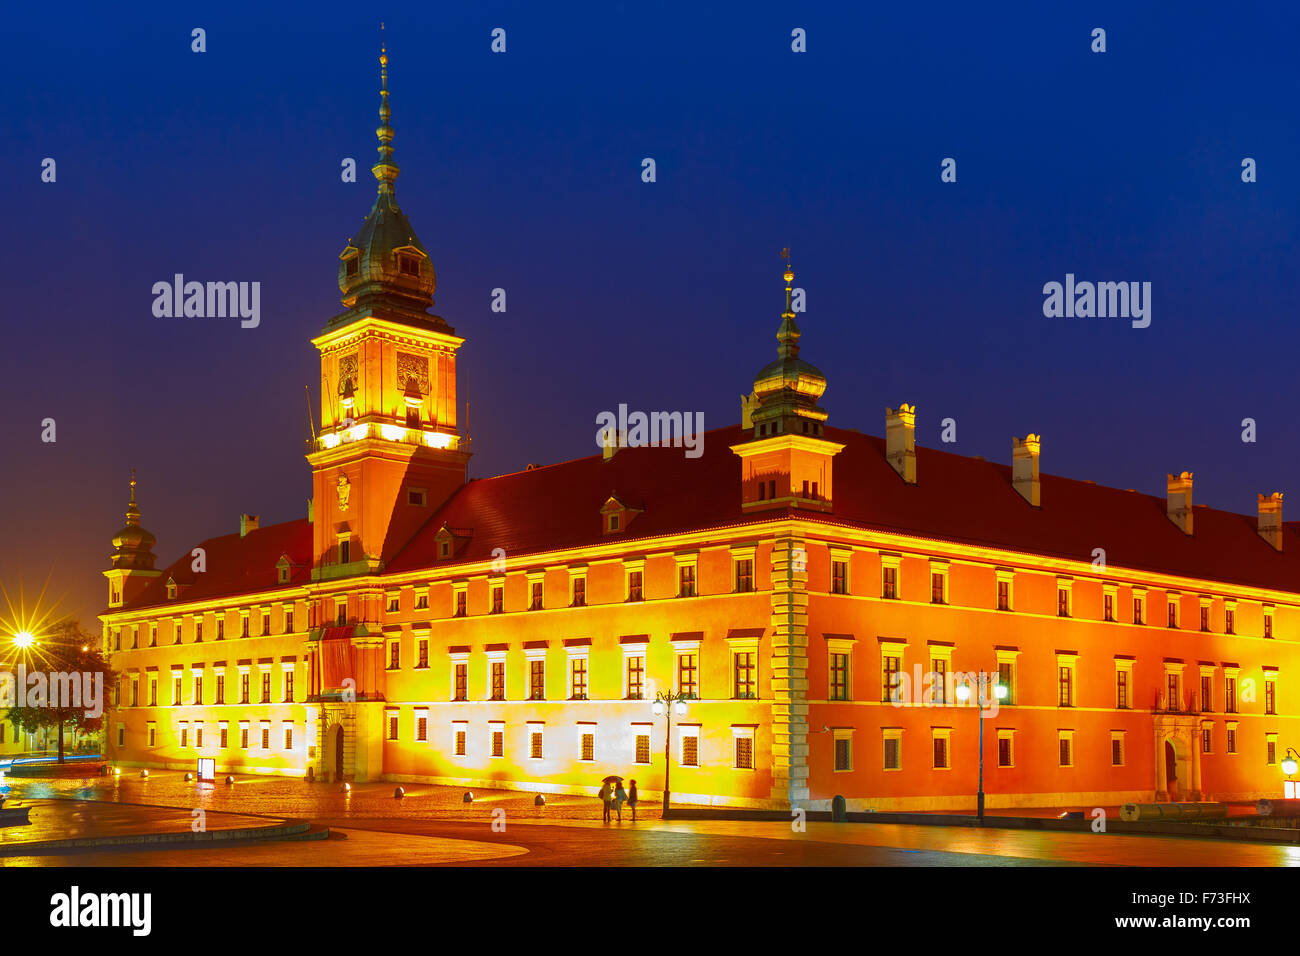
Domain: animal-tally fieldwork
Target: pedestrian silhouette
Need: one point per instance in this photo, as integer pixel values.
(631, 799)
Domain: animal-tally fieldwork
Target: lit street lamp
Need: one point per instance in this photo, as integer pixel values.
(24, 639)
(963, 694)
(665, 705)
(1289, 766)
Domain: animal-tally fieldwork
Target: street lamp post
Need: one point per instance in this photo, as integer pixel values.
(666, 704)
(963, 694)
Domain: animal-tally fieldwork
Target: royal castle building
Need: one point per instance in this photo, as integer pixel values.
(818, 596)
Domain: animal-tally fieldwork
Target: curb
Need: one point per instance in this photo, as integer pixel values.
(1217, 830)
(290, 830)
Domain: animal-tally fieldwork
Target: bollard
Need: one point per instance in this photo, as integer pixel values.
(189, 777)
(230, 781)
(468, 798)
(539, 801)
(345, 788)
(144, 773)
(398, 793)
(839, 809)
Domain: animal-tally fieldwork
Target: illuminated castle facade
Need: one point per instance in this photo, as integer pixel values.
(801, 585)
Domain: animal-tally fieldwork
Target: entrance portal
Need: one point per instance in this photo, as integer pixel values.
(1171, 770)
(338, 752)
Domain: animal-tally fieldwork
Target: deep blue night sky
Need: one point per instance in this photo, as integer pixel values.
(522, 171)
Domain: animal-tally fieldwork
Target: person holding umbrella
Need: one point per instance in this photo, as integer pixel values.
(620, 797)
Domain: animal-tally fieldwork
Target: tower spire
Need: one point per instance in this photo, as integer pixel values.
(385, 170)
(132, 509)
(788, 334)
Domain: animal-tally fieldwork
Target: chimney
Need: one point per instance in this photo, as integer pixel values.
(611, 441)
(1024, 467)
(1270, 519)
(900, 441)
(1178, 500)
(247, 523)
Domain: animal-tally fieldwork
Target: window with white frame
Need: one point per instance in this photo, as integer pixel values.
(641, 743)
(688, 745)
(535, 730)
(459, 737)
(497, 735)
(421, 724)
(586, 742)
(839, 652)
(742, 740)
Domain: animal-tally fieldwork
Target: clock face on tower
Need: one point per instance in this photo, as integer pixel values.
(345, 492)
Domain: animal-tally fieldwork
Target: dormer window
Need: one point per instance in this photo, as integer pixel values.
(284, 575)
(415, 496)
(352, 266)
(613, 522)
(408, 265)
(444, 550)
(171, 589)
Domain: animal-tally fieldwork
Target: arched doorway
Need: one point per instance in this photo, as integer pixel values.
(336, 742)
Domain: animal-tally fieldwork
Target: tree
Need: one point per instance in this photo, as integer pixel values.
(65, 657)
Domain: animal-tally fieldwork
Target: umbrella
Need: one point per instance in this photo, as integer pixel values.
(611, 778)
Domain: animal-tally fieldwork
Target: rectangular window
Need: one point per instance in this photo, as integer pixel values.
(498, 680)
(1065, 686)
(422, 728)
(1062, 602)
(744, 753)
(839, 577)
(288, 685)
(198, 631)
(221, 689)
(1270, 697)
(288, 738)
(1004, 595)
(843, 753)
(690, 747)
(642, 748)
(686, 581)
(498, 599)
(462, 682)
(243, 624)
(1121, 690)
(535, 599)
(394, 655)
(745, 574)
(461, 607)
(889, 584)
(579, 592)
(1137, 611)
(266, 687)
(243, 688)
(1229, 621)
(588, 746)
(1268, 624)
(891, 679)
(392, 603)
(743, 668)
(939, 668)
(635, 678)
(1205, 618)
(535, 745)
(1232, 740)
(1230, 695)
(392, 726)
(185, 737)
(422, 652)
(1004, 752)
(936, 588)
(243, 736)
(198, 737)
(153, 736)
(634, 586)
(1006, 678)
(892, 754)
(1174, 697)
(1108, 607)
(460, 742)
(839, 677)
(1207, 699)
(1116, 752)
(1065, 754)
(537, 680)
(1207, 740)
(153, 692)
(578, 678)
(266, 622)
(688, 670)
(422, 602)
(1270, 750)
(498, 743)
(177, 682)
(224, 734)
(940, 753)
(221, 628)
(1173, 613)
(266, 737)
(288, 620)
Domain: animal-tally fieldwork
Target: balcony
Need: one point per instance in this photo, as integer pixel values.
(1176, 704)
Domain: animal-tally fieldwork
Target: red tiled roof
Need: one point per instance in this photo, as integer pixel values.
(956, 498)
(235, 565)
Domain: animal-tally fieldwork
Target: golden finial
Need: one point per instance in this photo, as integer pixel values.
(132, 486)
(789, 271)
(385, 170)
